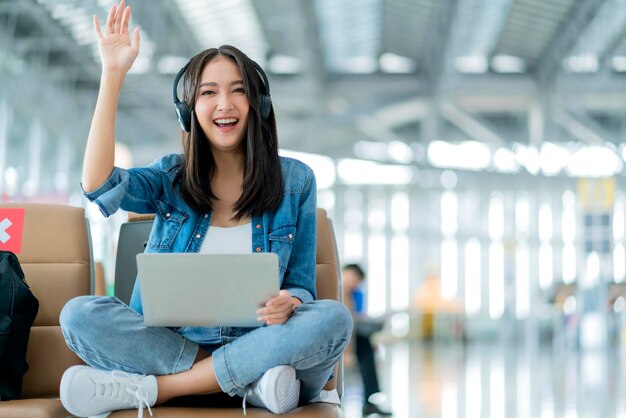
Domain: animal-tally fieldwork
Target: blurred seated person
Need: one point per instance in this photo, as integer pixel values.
(353, 278)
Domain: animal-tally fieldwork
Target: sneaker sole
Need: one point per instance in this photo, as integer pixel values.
(287, 392)
(64, 389)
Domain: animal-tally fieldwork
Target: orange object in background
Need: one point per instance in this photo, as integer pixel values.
(428, 297)
(100, 288)
(429, 302)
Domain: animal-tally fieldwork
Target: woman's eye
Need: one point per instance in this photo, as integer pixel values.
(207, 92)
(239, 90)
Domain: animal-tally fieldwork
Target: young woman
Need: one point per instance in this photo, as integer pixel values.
(228, 192)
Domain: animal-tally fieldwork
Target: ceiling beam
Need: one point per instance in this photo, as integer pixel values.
(435, 55)
(471, 125)
(166, 27)
(80, 55)
(583, 117)
(576, 128)
(562, 43)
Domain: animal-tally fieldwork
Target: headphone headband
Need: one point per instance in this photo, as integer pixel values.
(180, 74)
(183, 113)
(266, 82)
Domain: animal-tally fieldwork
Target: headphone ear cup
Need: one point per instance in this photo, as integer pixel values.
(265, 105)
(183, 115)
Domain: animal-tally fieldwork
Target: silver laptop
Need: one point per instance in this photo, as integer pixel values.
(190, 289)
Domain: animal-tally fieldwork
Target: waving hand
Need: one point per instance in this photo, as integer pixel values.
(117, 51)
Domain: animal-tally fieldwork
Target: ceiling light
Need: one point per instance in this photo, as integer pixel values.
(472, 64)
(594, 161)
(171, 64)
(582, 63)
(619, 63)
(360, 65)
(370, 150)
(508, 64)
(469, 155)
(448, 179)
(527, 157)
(504, 161)
(396, 64)
(284, 64)
(322, 166)
(552, 158)
(400, 152)
(353, 171)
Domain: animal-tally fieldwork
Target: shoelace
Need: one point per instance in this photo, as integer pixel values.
(133, 392)
(245, 397)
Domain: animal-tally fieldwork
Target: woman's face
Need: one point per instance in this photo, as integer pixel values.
(222, 105)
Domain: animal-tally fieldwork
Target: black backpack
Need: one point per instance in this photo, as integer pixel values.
(18, 309)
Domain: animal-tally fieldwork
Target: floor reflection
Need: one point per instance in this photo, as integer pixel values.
(494, 380)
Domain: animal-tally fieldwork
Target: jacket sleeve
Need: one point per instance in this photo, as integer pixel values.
(300, 275)
(134, 190)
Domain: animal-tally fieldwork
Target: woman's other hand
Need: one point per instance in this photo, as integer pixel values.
(278, 309)
(117, 52)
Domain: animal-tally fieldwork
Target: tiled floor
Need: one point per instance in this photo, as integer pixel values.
(495, 380)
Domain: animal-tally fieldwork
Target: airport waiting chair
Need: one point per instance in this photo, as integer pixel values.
(132, 240)
(57, 263)
(328, 287)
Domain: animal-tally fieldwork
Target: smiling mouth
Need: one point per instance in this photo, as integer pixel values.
(226, 122)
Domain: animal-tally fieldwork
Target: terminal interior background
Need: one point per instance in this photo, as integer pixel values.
(470, 153)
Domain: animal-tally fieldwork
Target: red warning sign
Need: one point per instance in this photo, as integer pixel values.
(11, 229)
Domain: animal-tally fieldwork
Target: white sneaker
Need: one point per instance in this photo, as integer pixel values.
(277, 390)
(86, 391)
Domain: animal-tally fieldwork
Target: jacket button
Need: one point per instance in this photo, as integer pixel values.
(167, 215)
(198, 236)
(258, 249)
(290, 236)
(206, 215)
(258, 226)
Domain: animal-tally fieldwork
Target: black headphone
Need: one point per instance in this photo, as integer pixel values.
(183, 113)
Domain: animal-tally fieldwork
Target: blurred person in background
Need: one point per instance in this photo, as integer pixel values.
(360, 349)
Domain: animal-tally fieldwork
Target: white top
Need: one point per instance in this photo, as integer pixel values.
(228, 240)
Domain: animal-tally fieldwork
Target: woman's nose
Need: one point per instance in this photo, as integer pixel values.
(224, 102)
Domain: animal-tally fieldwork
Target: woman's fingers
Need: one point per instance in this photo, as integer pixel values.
(277, 310)
(277, 318)
(118, 17)
(283, 297)
(125, 21)
(111, 19)
(135, 44)
(276, 314)
(96, 27)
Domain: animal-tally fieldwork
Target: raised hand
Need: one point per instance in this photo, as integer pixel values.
(117, 52)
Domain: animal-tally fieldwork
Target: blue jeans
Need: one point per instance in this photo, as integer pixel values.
(109, 335)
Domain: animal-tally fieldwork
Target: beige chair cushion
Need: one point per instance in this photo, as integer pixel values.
(55, 256)
(53, 285)
(53, 234)
(48, 357)
(56, 261)
(34, 408)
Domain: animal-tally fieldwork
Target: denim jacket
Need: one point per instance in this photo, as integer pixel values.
(289, 231)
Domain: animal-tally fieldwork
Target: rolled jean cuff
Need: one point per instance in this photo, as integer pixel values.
(187, 356)
(222, 373)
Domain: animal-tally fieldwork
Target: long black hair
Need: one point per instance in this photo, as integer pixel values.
(263, 182)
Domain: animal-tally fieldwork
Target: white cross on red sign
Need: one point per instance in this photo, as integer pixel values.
(4, 225)
(11, 229)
